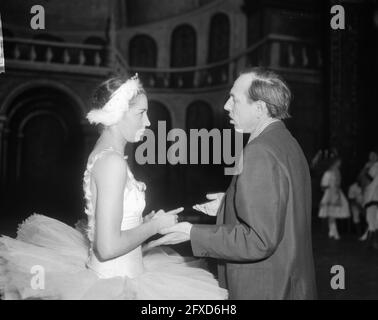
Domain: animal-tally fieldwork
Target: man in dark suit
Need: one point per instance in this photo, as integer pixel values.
(262, 238)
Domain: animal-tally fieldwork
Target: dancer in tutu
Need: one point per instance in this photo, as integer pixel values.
(364, 176)
(334, 204)
(371, 206)
(355, 197)
(107, 260)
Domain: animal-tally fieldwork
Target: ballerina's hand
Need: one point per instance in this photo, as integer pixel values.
(210, 208)
(178, 233)
(164, 219)
(149, 216)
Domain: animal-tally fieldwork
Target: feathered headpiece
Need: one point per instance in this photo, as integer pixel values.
(119, 102)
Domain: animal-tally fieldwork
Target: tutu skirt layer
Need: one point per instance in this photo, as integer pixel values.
(48, 259)
(334, 205)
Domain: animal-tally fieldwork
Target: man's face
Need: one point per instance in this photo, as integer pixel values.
(244, 113)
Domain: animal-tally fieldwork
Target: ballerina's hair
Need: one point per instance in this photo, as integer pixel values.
(112, 98)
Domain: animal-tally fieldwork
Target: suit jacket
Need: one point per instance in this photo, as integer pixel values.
(262, 238)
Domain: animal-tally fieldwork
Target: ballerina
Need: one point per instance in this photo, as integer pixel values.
(106, 261)
(334, 204)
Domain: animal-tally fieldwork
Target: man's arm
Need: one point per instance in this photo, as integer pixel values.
(260, 201)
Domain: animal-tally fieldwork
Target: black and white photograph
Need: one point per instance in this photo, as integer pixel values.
(191, 150)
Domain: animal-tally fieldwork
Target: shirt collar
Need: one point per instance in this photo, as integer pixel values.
(260, 128)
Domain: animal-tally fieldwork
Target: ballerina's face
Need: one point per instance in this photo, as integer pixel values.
(135, 119)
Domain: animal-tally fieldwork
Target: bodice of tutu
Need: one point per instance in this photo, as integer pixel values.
(130, 264)
(331, 179)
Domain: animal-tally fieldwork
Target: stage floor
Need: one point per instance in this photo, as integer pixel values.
(360, 263)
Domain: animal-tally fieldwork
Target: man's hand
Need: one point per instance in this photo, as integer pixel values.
(173, 235)
(210, 208)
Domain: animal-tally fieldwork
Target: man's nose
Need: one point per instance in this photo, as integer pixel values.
(147, 121)
(228, 105)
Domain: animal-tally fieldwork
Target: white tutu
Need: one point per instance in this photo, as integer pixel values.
(333, 203)
(334, 206)
(61, 251)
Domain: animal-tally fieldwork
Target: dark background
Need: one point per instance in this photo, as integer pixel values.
(188, 54)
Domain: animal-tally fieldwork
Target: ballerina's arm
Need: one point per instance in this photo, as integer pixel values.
(110, 174)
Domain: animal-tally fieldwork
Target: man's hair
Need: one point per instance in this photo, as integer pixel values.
(269, 87)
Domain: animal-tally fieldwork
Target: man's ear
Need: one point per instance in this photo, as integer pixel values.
(261, 106)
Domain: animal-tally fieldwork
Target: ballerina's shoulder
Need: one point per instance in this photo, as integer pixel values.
(110, 169)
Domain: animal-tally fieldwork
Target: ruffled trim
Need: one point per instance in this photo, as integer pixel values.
(89, 210)
(28, 220)
(61, 251)
(12, 278)
(88, 195)
(4, 274)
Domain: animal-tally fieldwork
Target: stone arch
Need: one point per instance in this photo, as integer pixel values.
(183, 54)
(219, 47)
(42, 154)
(29, 117)
(183, 46)
(219, 38)
(143, 51)
(30, 85)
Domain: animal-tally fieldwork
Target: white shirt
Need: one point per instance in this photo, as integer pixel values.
(260, 128)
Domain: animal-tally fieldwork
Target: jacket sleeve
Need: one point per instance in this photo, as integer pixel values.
(260, 201)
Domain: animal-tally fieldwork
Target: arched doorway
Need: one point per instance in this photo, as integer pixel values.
(219, 38)
(156, 176)
(45, 157)
(219, 46)
(142, 52)
(183, 54)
